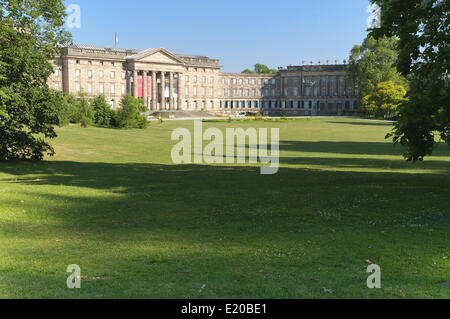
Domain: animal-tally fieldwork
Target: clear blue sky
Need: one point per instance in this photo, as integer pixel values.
(238, 32)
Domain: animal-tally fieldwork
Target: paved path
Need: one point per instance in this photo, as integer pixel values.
(249, 117)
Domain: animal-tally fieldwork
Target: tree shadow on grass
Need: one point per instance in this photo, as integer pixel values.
(358, 148)
(208, 224)
(362, 123)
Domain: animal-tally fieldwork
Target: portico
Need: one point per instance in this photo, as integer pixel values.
(156, 78)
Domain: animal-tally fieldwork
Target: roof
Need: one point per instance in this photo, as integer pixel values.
(101, 48)
(193, 56)
(133, 51)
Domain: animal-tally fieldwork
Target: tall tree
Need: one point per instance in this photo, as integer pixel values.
(373, 62)
(422, 28)
(31, 34)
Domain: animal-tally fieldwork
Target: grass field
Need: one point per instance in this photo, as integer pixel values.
(112, 202)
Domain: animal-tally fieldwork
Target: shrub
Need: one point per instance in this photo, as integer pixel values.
(72, 113)
(102, 111)
(128, 115)
(85, 110)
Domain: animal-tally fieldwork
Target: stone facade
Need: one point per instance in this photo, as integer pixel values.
(195, 83)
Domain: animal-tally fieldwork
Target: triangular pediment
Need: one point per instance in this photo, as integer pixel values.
(157, 56)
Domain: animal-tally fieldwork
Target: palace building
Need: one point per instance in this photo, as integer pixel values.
(169, 82)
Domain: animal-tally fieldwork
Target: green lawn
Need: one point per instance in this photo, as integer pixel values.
(112, 202)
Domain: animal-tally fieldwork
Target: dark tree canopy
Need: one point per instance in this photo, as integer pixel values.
(422, 28)
(31, 34)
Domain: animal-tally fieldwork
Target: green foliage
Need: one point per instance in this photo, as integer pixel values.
(128, 114)
(31, 34)
(423, 29)
(373, 62)
(260, 69)
(66, 108)
(73, 116)
(85, 110)
(384, 101)
(102, 111)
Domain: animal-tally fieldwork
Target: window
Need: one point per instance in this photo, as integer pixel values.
(123, 89)
(223, 81)
(123, 75)
(77, 73)
(102, 88)
(90, 88)
(56, 73)
(211, 92)
(90, 62)
(101, 62)
(211, 80)
(224, 92)
(113, 89)
(186, 105)
(273, 92)
(113, 104)
(57, 86)
(253, 81)
(101, 74)
(204, 79)
(253, 92)
(234, 81)
(246, 81)
(195, 91)
(203, 92)
(112, 63)
(195, 79)
(187, 91)
(90, 74)
(259, 81)
(113, 74)
(186, 78)
(229, 81)
(78, 87)
(240, 81)
(273, 81)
